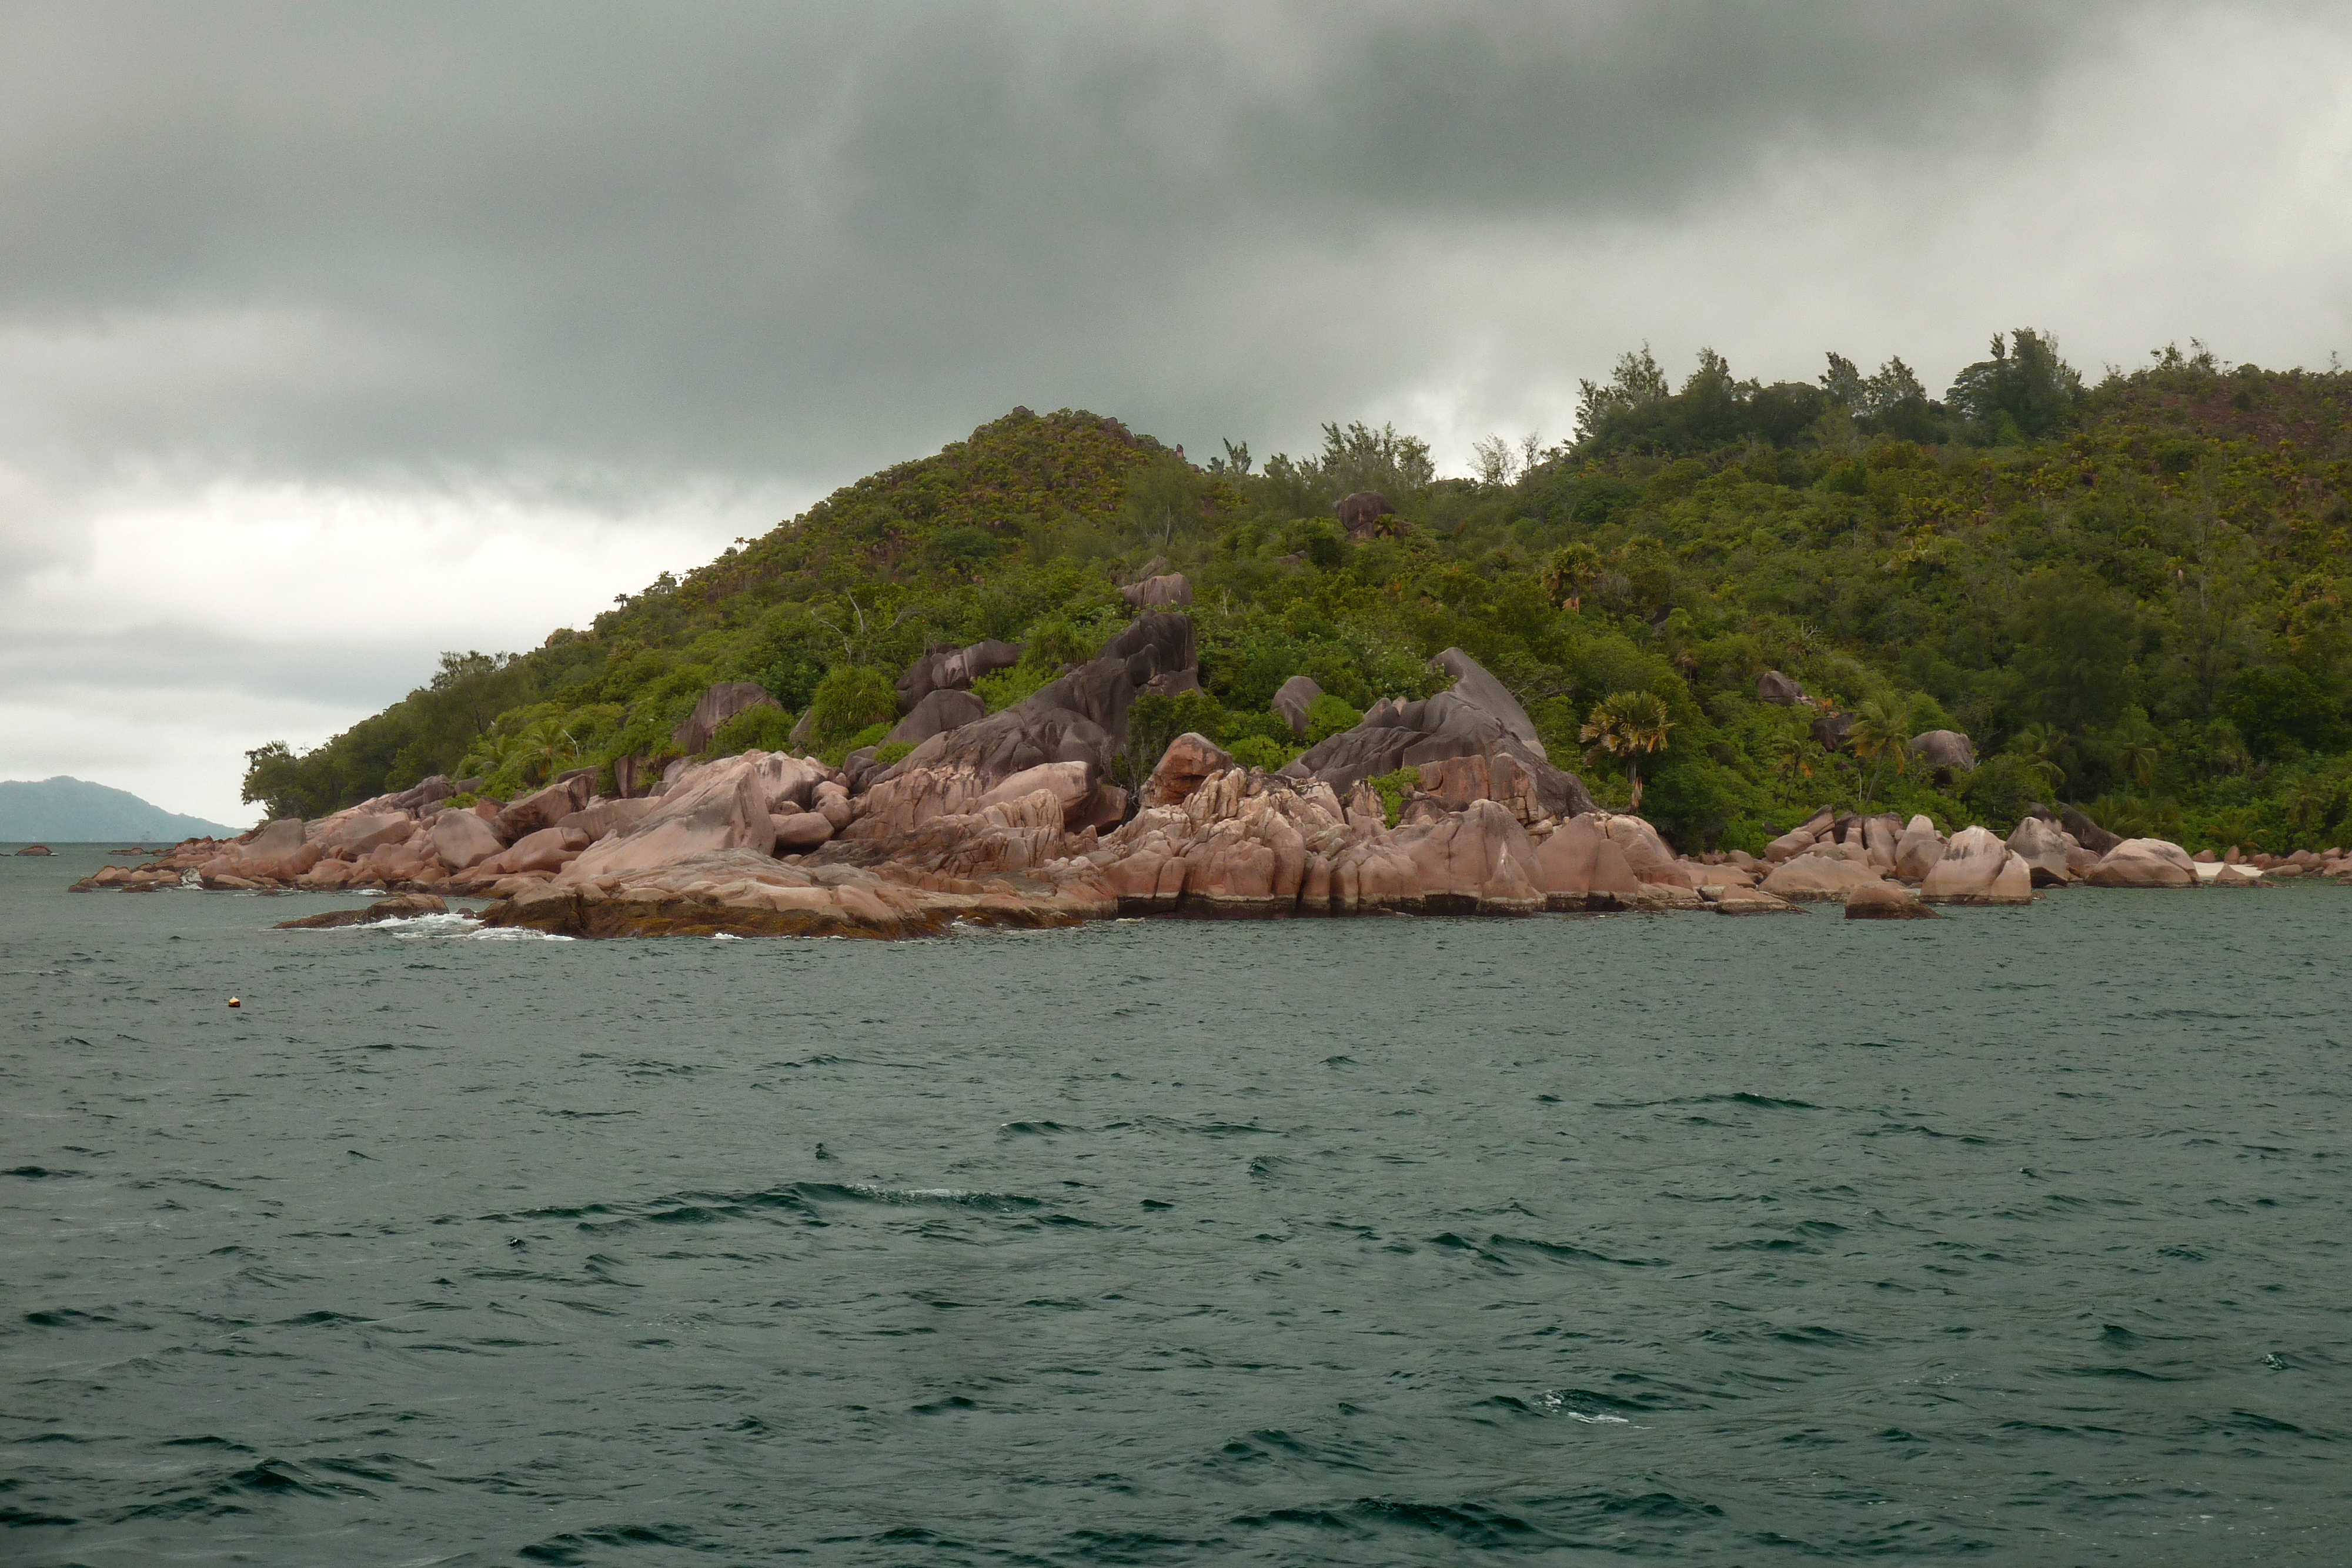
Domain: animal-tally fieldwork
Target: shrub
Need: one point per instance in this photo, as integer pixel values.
(1002, 689)
(1262, 752)
(762, 729)
(893, 751)
(851, 698)
(1393, 788)
(2002, 789)
(1328, 715)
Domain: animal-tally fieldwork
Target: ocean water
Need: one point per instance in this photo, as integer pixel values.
(2019, 1236)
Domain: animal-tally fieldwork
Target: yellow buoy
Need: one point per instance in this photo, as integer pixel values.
(235, 1003)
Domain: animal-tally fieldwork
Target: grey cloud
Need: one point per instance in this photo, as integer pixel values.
(173, 659)
(337, 240)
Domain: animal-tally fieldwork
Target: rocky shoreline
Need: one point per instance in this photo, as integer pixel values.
(1013, 819)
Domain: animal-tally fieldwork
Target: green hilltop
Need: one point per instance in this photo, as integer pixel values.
(2130, 594)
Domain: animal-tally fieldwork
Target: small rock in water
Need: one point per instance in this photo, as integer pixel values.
(1879, 900)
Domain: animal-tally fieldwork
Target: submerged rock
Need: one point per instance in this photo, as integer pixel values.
(400, 907)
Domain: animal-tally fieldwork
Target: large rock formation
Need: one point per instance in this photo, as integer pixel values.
(1578, 866)
(723, 807)
(1360, 513)
(2042, 844)
(1079, 719)
(1919, 850)
(1820, 873)
(1945, 750)
(716, 705)
(1978, 868)
(2086, 833)
(1190, 761)
(1163, 592)
(942, 709)
(1297, 694)
(280, 851)
(1476, 717)
(462, 841)
(1778, 690)
(952, 669)
(2145, 862)
(545, 807)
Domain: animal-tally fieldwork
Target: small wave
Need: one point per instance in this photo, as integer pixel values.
(725, 937)
(451, 923)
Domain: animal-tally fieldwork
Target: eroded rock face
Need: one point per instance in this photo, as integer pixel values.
(746, 891)
(723, 806)
(948, 668)
(278, 852)
(1474, 686)
(1816, 874)
(608, 817)
(1361, 512)
(1158, 592)
(1190, 760)
(716, 705)
(1479, 860)
(1296, 696)
(2145, 862)
(797, 832)
(1945, 749)
(2042, 844)
(1155, 647)
(548, 850)
(350, 834)
(1978, 868)
(1530, 791)
(462, 841)
(545, 807)
(1581, 867)
(2086, 833)
(1477, 716)
(941, 710)
(1778, 690)
(1919, 850)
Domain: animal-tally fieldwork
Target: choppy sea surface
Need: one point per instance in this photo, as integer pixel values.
(2019, 1236)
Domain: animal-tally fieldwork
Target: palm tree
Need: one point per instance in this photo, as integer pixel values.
(546, 748)
(2039, 743)
(1631, 725)
(1878, 733)
(2137, 757)
(1569, 571)
(2308, 802)
(2240, 826)
(1793, 756)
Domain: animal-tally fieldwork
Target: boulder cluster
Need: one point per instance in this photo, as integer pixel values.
(1034, 816)
(1842, 857)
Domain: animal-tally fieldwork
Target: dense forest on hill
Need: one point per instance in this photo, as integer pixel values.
(2131, 595)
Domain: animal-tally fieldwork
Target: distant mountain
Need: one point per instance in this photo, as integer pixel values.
(76, 812)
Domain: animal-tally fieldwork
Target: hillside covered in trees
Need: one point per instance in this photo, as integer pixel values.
(2131, 595)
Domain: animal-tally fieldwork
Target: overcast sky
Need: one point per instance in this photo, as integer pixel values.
(333, 336)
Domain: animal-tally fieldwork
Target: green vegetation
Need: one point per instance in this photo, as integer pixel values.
(2132, 595)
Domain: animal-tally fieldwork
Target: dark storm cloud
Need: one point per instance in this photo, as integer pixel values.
(627, 242)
